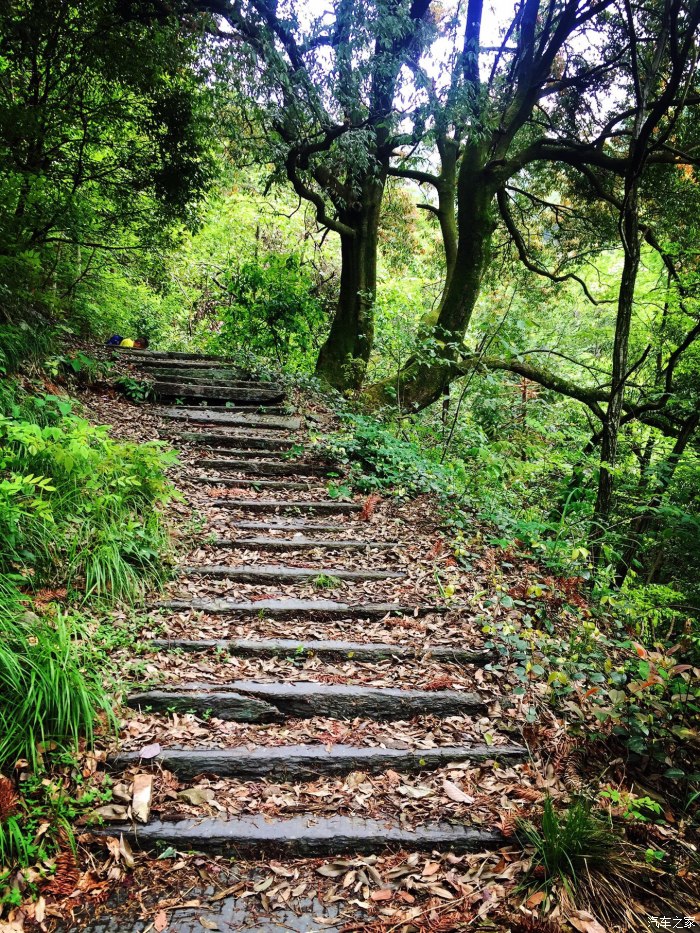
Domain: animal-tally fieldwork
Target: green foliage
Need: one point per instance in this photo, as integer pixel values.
(50, 692)
(137, 390)
(21, 342)
(379, 460)
(77, 506)
(272, 309)
(568, 846)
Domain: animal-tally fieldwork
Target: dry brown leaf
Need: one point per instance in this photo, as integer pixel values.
(455, 793)
(384, 895)
(585, 922)
(160, 921)
(141, 799)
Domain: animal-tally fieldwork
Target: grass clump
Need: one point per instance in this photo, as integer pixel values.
(50, 694)
(568, 845)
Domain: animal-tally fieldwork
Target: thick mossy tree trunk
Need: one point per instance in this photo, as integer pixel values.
(343, 358)
(422, 380)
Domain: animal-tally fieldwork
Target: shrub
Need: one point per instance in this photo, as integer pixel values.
(79, 507)
(273, 310)
(380, 460)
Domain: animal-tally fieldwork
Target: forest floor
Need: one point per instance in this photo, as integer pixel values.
(363, 751)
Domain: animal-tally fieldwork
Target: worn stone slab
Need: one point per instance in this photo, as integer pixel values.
(233, 418)
(242, 454)
(275, 573)
(204, 358)
(286, 524)
(304, 835)
(291, 608)
(266, 468)
(247, 482)
(252, 441)
(307, 762)
(263, 543)
(212, 377)
(307, 700)
(262, 396)
(228, 704)
(327, 650)
(275, 505)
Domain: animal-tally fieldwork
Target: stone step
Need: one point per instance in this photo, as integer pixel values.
(290, 608)
(308, 762)
(285, 524)
(251, 483)
(326, 650)
(213, 378)
(273, 573)
(254, 408)
(265, 468)
(304, 835)
(251, 701)
(263, 543)
(180, 355)
(218, 391)
(246, 455)
(275, 505)
(233, 418)
(262, 444)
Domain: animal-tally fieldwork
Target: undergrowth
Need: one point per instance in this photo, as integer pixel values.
(76, 506)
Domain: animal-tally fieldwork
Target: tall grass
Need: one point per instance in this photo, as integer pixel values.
(50, 693)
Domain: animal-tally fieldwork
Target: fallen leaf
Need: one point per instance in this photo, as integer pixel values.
(207, 924)
(141, 799)
(415, 792)
(197, 795)
(160, 921)
(110, 811)
(455, 793)
(584, 922)
(384, 895)
(150, 751)
(125, 852)
(535, 899)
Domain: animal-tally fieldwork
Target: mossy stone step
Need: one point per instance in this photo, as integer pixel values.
(230, 417)
(249, 482)
(272, 573)
(266, 468)
(181, 355)
(308, 762)
(290, 608)
(293, 506)
(286, 524)
(327, 650)
(263, 543)
(305, 835)
(250, 701)
(269, 443)
(214, 377)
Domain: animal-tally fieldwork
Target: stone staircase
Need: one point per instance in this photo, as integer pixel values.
(245, 439)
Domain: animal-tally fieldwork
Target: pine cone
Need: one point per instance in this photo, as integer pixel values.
(9, 799)
(571, 777)
(67, 876)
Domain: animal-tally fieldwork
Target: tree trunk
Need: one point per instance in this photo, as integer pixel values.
(643, 522)
(342, 360)
(422, 380)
